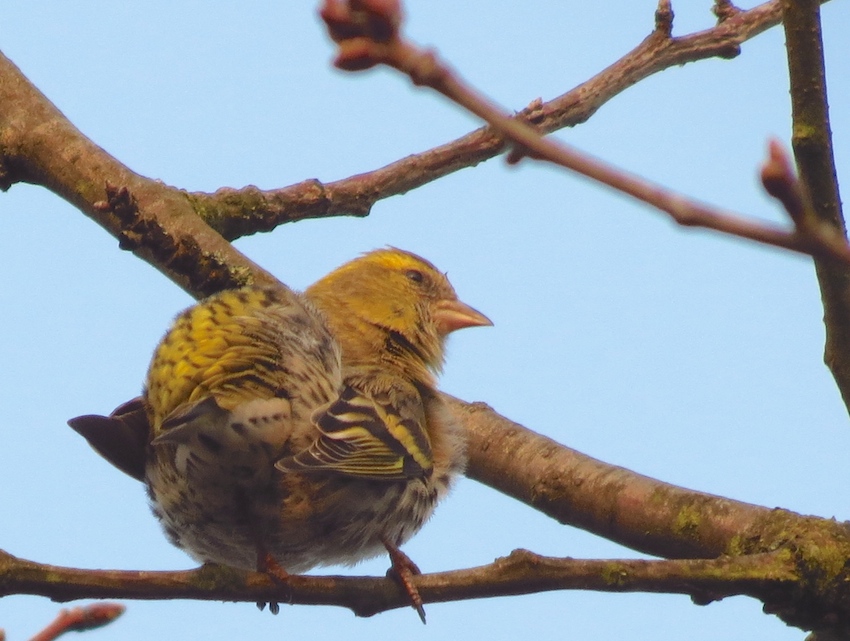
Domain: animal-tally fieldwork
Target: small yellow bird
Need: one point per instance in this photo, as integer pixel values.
(280, 431)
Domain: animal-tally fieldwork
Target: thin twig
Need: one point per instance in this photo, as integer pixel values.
(358, 50)
(80, 619)
(237, 212)
(37, 141)
(780, 181)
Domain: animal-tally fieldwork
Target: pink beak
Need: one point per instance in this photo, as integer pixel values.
(451, 315)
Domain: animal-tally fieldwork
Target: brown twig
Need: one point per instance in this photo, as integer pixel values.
(803, 595)
(664, 18)
(812, 142)
(761, 576)
(79, 619)
(238, 212)
(358, 50)
(42, 158)
(724, 9)
(780, 181)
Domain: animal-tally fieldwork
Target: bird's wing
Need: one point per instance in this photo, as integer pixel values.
(378, 436)
(188, 419)
(241, 346)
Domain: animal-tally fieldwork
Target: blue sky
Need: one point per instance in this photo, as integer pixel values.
(682, 355)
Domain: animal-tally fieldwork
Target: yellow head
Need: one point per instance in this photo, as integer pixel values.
(393, 307)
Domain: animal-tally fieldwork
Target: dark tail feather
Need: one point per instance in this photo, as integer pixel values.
(121, 438)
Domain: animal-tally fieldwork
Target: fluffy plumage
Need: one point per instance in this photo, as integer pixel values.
(301, 429)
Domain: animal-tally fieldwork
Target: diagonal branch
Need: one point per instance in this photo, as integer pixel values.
(812, 143)
(156, 222)
(360, 48)
(89, 617)
(245, 211)
(631, 509)
(38, 145)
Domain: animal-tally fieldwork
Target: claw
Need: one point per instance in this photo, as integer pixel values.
(404, 569)
(269, 566)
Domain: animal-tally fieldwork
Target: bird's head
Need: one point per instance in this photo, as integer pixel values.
(394, 305)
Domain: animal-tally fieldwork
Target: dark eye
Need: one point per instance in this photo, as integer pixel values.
(415, 275)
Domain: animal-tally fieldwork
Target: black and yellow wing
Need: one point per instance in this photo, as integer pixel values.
(368, 434)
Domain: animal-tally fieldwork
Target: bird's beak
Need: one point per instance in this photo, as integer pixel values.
(451, 315)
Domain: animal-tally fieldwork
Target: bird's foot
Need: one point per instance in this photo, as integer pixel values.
(403, 570)
(269, 566)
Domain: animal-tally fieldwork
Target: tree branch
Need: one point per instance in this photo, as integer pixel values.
(41, 157)
(361, 48)
(236, 213)
(522, 572)
(812, 142)
(157, 223)
(618, 504)
(782, 579)
(89, 617)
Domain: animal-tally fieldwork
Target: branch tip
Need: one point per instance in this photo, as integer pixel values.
(780, 181)
(79, 619)
(724, 9)
(515, 155)
(362, 29)
(349, 26)
(664, 17)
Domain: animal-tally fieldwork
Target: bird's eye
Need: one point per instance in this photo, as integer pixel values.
(415, 275)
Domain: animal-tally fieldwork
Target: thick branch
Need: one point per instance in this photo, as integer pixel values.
(655, 517)
(618, 504)
(812, 142)
(156, 222)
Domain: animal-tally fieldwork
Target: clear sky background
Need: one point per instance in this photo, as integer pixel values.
(682, 355)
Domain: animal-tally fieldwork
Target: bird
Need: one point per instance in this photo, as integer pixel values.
(280, 431)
